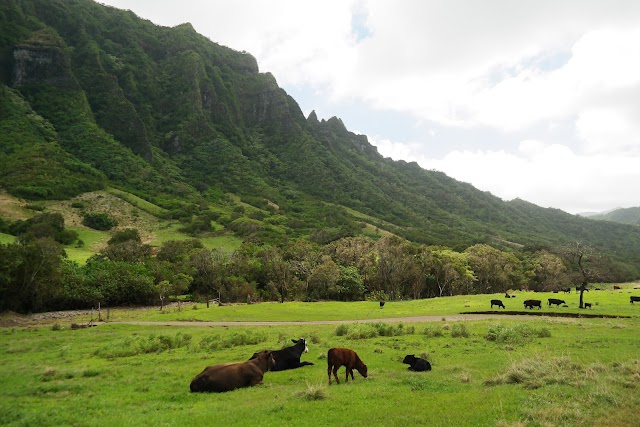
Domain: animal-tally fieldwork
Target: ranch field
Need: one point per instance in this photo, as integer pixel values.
(546, 371)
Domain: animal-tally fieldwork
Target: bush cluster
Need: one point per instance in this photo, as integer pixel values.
(372, 330)
(515, 334)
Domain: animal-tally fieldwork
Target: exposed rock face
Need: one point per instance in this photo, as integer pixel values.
(41, 65)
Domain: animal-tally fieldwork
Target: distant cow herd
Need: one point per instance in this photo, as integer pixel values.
(536, 303)
(231, 376)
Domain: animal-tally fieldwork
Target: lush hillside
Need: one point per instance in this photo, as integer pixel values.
(94, 97)
(622, 215)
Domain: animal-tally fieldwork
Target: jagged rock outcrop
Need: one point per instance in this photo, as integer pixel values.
(41, 65)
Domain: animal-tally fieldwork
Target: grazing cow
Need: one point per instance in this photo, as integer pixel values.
(289, 357)
(230, 376)
(556, 301)
(566, 290)
(381, 304)
(416, 364)
(337, 357)
(634, 299)
(587, 305)
(497, 302)
(506, 295)
(616, 287)
(530, 303)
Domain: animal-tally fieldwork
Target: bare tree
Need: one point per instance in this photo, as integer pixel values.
(590, 265)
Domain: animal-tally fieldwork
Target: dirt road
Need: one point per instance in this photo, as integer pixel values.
(412, 319)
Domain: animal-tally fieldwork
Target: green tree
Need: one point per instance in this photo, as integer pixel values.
(451, 271)
(350, 284)
(324, 279)
(492, 268)
(31, 274)
(278, 271)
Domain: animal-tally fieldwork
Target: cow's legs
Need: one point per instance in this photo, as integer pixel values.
(335, 374)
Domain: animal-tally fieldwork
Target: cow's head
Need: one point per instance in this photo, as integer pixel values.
(302, 343)
(409, 359)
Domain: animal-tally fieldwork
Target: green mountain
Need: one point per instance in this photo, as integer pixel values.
(621, 215)
(92, 96)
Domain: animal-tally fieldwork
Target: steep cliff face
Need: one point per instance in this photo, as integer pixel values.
(41, 65)
(111, 108)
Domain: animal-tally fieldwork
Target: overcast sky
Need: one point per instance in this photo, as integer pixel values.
(532, 99)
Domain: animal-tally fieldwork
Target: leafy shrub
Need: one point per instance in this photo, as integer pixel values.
(78, 205)
(432, 331)
(342, 330)
(516, 334)
(372, 330)
(35, 207)
(459, 330)
(125, 235)
(99, 221)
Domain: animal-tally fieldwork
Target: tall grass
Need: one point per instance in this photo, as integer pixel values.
(515, 333)
(359, 331)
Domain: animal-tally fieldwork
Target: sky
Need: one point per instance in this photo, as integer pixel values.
(537, 100)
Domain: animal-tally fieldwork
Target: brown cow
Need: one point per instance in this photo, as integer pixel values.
(337, 357)
(230, 376)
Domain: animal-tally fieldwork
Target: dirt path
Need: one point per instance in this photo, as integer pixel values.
(412, 319)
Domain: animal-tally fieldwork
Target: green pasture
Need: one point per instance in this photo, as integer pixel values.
(6, 238)
(228, 243)
(93, 241)
(548, 372)
(604, 302)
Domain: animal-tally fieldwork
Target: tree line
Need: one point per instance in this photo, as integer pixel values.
(35, 274)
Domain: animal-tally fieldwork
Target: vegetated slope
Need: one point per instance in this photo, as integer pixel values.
(96, 96)
(622, 215)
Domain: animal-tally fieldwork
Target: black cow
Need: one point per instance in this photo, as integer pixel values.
(555, 301)
(289, 357)
(381, 304)
(634, 299)
(566, 290)
(497, 302)
(587, 305)
(416, 364)
(530, 303)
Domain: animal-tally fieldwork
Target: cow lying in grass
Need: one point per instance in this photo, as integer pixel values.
(337, 357)
(230, 376)
(289, 357)
(416, 364)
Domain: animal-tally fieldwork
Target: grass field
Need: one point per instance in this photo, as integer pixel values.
(6, 238)
(607, 301)
(572, 372)
(544, 372)
(227, 242)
